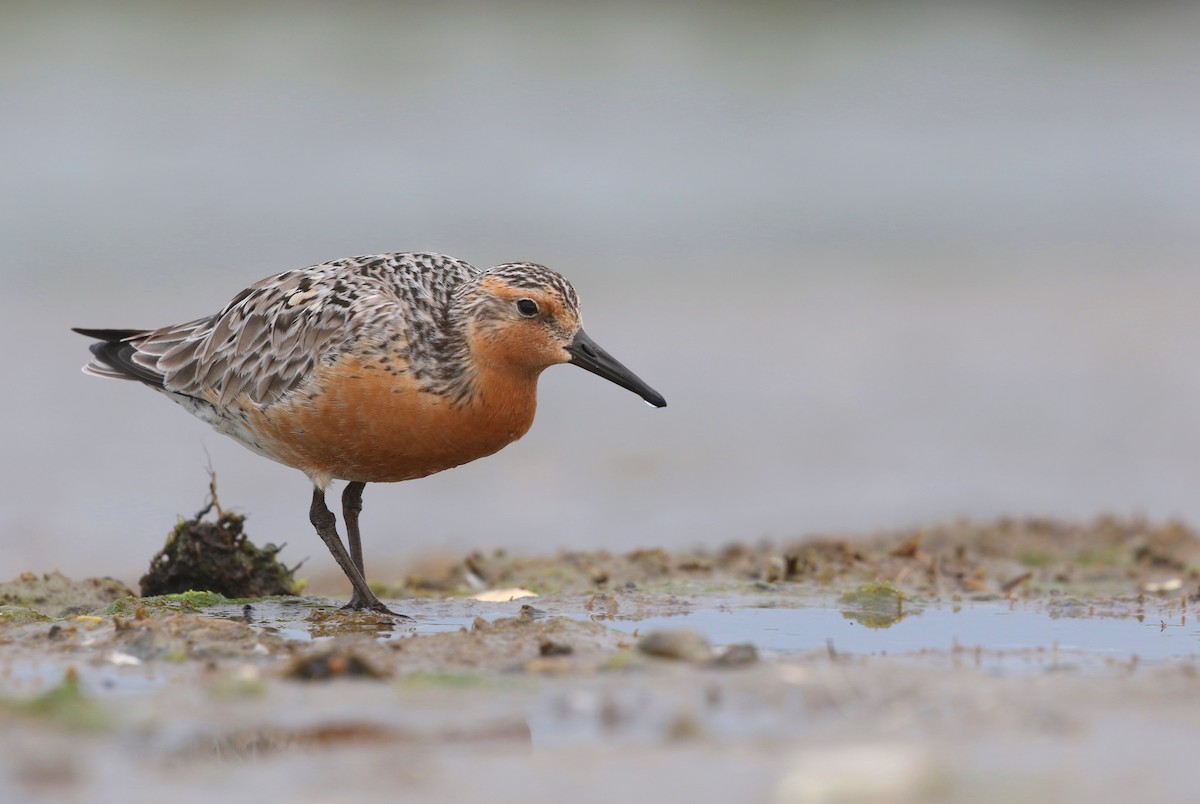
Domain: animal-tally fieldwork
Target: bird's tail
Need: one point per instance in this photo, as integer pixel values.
(112, 355)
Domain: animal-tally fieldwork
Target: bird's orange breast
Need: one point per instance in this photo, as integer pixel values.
(354, 420)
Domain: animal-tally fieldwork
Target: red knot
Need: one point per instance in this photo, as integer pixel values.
(371, 369)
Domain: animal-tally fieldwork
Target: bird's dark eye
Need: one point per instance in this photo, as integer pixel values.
(527, 307)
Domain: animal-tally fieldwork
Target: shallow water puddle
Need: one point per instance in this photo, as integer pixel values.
(996, 628)
(1003, 634)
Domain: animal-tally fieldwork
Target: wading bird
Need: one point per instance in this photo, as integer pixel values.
(370, 369)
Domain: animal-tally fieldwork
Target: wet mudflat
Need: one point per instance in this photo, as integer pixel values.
(1031, 661)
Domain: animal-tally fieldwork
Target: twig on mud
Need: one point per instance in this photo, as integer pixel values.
(213, 501)
(1009, 588)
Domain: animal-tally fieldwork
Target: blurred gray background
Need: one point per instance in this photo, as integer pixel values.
(890, 263)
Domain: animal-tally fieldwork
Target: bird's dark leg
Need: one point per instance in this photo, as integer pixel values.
(351, 508)
(326, 524)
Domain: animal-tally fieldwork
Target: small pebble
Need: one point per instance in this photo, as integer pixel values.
(776, 569)
(528, 612)
(338, 663)
(683, 644)
(738, 655)
(548, 647)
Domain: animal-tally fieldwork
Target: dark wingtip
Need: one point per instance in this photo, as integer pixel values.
(108, 335)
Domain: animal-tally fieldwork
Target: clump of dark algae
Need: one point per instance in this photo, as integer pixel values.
(216, 556)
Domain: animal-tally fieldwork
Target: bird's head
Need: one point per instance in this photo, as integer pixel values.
(526, 316)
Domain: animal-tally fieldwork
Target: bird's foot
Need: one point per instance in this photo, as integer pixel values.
(372, 603)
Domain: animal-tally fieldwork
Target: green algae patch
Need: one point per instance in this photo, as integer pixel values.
(65, 705)
(875, 604)
(873, 594)
(243, 684)
(216, 555)
(123, 607)
(21, 615)
(190, 602)
(1036, 559)
(463, 680)
(196, 598)
(623, 659)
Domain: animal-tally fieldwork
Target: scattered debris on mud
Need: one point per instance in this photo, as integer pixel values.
(875, 581)
(1007, 558)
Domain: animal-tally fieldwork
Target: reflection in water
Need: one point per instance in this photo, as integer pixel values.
(876, 605)
(253, 744)
(874, 618)
(335, 622)
(250, 745)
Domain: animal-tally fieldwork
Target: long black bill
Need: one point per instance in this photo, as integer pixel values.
(586, 354)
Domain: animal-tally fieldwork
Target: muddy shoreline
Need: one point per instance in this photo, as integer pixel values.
(1018, 660)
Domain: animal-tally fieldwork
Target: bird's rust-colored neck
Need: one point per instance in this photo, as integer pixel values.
(503, 399)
